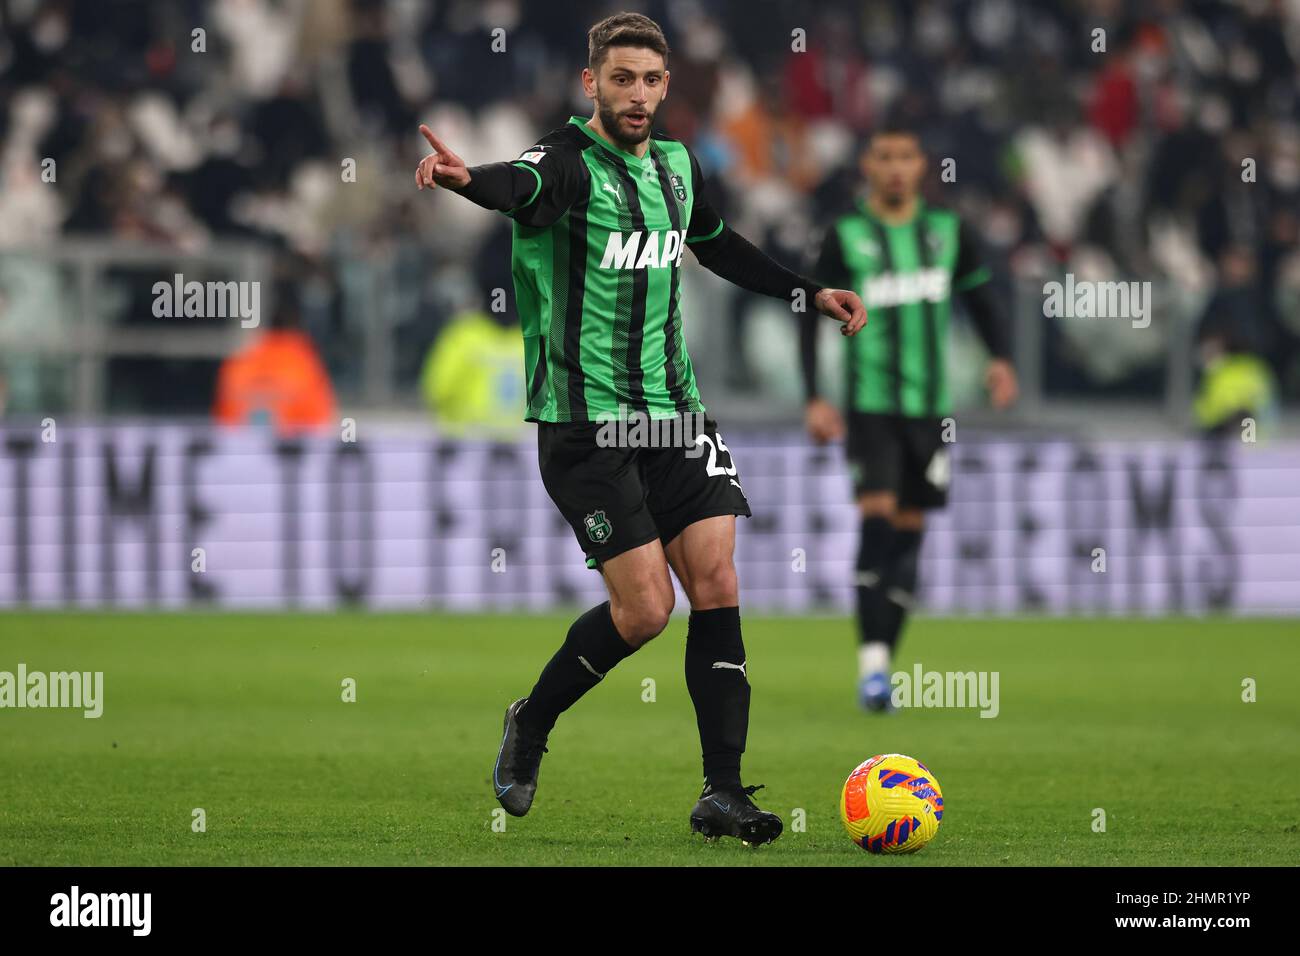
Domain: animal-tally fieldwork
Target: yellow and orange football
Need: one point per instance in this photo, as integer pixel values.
(891, 804)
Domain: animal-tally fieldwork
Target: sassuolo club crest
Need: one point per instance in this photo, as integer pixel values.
(598, 527)
(679, 188)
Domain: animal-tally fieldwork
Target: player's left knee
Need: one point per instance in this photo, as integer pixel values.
(716, 585)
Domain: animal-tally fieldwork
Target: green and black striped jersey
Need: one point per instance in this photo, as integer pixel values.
(597, 253)
(906, 275)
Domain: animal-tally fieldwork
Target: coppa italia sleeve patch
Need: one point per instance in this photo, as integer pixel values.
(534, 155)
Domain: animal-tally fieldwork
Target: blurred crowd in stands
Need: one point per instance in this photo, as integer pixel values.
(1147, 139)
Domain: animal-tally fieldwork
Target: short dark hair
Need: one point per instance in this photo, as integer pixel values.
(896, 126)
(892, 126)
(623, 29)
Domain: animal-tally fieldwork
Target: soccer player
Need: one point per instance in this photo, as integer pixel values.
(907, 259)
(603, 210)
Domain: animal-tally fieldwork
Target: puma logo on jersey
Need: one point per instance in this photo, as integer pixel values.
(900, 288)
(640, 250)
(612, 188)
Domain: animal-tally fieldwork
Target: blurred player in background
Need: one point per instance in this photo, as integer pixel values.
(907, 259)
(603, 211)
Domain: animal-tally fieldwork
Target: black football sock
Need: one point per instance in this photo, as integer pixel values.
(590, 651)
(874, 544)
(719, 688)
(899, 583)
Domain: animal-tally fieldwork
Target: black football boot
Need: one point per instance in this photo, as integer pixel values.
(731, 813)
(514, 777)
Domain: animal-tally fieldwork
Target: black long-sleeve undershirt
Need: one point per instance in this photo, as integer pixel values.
(499, 186)
(734, 258)
(987, 319)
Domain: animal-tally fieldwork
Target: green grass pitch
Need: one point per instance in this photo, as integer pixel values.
(242, 716)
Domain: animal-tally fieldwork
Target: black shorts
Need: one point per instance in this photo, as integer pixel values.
(617, 498)
(905, 455)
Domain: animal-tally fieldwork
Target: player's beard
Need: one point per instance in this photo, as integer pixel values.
(895, 198)
(610, 121)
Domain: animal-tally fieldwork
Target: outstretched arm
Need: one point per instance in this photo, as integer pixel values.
(535, 189)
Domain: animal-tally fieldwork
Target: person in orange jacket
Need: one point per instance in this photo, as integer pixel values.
(278, 379)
